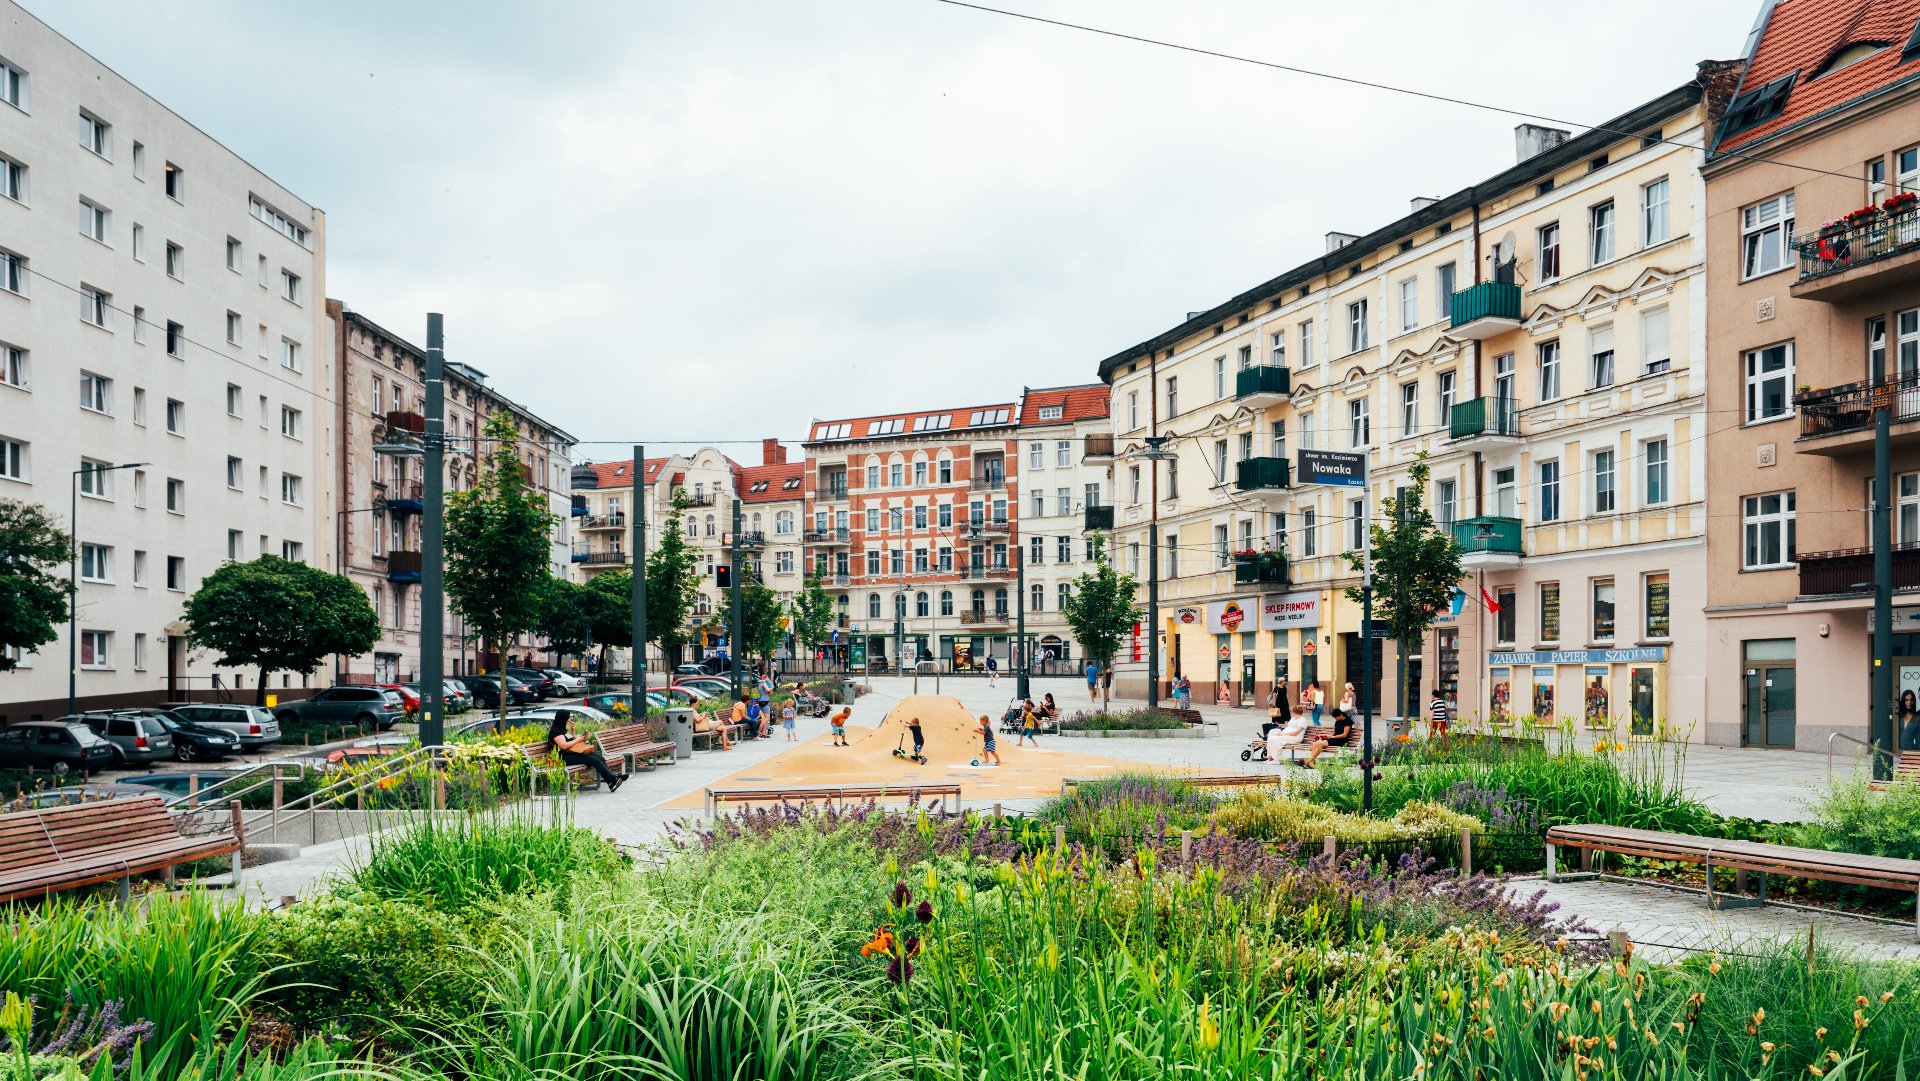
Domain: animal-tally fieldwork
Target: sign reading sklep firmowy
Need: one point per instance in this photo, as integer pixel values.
(1282, 611)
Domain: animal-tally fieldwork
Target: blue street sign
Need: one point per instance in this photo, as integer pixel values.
(1335, 467)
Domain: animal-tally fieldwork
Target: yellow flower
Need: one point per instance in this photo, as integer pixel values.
(1886, 997)
(1209, 1032)
(1714, 967)
(16, 1016)
(1766, 1045)
(1820, 1033)
(1052, 958)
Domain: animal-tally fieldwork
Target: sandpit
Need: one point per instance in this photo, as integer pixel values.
(952, 744)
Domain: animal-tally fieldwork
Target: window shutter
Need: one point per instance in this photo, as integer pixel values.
(1653, 336)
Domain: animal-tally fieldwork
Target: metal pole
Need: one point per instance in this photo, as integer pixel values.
(639, 549)
(1366, 653)
(1880, 722)
(73, 589)
(733, 636)
(1153, 613)
(1024, 657)
(432, 530)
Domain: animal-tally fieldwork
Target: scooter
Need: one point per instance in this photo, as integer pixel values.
(899, 751)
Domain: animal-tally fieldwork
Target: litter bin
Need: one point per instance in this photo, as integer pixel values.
(680, 731)
(849, 690)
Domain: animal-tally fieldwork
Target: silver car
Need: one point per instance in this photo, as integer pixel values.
(135, 738)
(254, 726)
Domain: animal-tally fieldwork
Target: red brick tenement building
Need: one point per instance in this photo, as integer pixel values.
(912, 522)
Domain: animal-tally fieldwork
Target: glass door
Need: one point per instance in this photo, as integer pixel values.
(1770, 705)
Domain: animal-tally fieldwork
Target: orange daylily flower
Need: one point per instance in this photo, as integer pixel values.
(882, 944)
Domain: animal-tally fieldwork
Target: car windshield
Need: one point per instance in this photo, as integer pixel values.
(85, 735)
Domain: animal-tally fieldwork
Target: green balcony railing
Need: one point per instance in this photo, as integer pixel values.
(1488, 535)
(1485, 416)
(1253, 473)
(1488, 300)
(1262, 379)
(1266, 567)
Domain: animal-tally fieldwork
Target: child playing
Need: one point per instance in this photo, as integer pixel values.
(787, 716)
(1029, 725)
(989, 755)
(839, 723)
(919, 739)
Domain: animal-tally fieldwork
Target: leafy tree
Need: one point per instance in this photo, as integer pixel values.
(813, 614)
(673, 584)
(1101, 609)
(279, 616)
(565, 621)
(497, 548)
(33, 597)
(608, 600)
(1417, 563)
(760, 615)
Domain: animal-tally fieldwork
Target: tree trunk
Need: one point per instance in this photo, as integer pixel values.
(500, 718)
(260, 689)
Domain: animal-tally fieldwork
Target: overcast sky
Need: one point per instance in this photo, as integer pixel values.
(708, 220)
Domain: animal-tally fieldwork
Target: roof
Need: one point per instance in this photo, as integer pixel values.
(925, 422)
(1527, 173)
(777, 483)
(1085, 402)
(455, 368)
(1793, 46)
(619, 474)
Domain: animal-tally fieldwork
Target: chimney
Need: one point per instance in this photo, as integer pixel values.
(772, 453)
(1336, 241)
(1421, 202)
(1530, 140)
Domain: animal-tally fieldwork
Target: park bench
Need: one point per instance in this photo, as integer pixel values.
(540, 754)
(714, 728)
(1906, 770)
(629, 745)
(1200, 780)
(829, 793)
(64, 848)
(1743, 857)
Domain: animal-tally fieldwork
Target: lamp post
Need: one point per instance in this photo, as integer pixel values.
(73, 574)
(432, 640)
(1155, 453)
(1021, 659)
(339, 549)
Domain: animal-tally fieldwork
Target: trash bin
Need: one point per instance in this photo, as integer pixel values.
(849, 690)
(680, 731)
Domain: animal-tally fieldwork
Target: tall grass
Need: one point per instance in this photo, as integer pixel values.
(453, 863)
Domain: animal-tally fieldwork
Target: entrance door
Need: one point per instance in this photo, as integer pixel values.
(176, 666)
(1641, 691)
(1770, 705)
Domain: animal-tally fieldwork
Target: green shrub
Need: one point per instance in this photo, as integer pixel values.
(356, 959)
(451, 864)
(1851, 817)
(1133, 720)
(1263, 816)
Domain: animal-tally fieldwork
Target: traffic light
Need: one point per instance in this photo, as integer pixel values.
(723, 576)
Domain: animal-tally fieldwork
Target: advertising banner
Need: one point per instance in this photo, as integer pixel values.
(1226, 617)
(1284, 611)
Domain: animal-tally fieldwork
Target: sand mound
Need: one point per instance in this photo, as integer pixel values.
(945, 724)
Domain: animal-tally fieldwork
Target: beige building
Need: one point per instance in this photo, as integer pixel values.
(1534, 337)
(1067, 440)
(1816, 323)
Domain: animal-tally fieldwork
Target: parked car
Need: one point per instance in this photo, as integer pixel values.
(54, 745)
(605, 703)
(190, 741)
(566, 682)
(711, 686)
(177, 784)
(366, 708)
(136, 739)
(72, 794)
(253, 726)
(409, 695)
(692, 670)
(454, 696)
(540, 683)
(486, 692)
(544, 714)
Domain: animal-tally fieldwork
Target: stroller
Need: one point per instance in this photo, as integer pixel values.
(809, 704)
(1255, 751)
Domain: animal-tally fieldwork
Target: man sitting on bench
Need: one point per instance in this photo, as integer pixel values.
(1341, 736)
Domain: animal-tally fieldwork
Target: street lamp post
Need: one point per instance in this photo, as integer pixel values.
(73, 575)
(339, 549)
(1022, 657)
(1155, 453)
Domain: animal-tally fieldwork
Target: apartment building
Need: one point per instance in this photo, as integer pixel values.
(1813, 231)
(1068, 443)
(166, 358)
(773, 508)
(914, 529)
(381, 395)
(1532, 339)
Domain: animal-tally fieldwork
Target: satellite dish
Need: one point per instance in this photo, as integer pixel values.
(1503, 258)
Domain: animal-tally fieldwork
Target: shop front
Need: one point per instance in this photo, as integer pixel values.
(1623, 690)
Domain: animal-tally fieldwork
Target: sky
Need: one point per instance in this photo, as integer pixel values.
(711, 221)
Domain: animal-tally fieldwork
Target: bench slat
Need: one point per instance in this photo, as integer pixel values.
(1784, 860)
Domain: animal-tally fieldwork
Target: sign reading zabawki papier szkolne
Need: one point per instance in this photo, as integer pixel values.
(1644, 655)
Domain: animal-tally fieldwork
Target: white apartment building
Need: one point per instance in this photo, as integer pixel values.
(161, 307)
(1066, 444)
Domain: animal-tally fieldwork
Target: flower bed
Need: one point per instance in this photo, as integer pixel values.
(1149, 723)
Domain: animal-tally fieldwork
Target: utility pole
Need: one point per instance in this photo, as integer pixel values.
(1880, 723)
(639, 550)
(1024, 658)
(1155, 453)
(433, 526)
(1366, 654)
(733, 636)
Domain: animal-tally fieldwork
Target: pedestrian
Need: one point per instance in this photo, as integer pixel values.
(788, 714)
(1106, 682)
(577, 750)
(1315, 699)
(1437, 713)
(1182, 692)
(756, 718)
(1093, 682)
(740, 714)
(1349, 702)
(1276, 718)
(839, 723)
(993, 672)
(989, 754)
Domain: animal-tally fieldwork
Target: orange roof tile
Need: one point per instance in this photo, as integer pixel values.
(1802, 36)
(778, 483)
(619, 474)
(1075, 403)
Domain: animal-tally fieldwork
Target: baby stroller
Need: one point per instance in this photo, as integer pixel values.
(809, 704)
(1255, 751)
(1012, 719)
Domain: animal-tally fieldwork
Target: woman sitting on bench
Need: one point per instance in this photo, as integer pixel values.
(1341, 736)
(577, 750)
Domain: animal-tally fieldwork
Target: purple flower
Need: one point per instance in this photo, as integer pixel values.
(899, 971)
(924, 913)
(901, 894)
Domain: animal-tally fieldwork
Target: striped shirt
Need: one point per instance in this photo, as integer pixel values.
(1438, 710)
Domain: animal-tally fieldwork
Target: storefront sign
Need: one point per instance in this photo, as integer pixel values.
(1336, 467)
(1659, 597)
(1285, 610)
(1225, 617)
(1186, 615)
(1653, 654)
(1309, 647)
(1905, 621)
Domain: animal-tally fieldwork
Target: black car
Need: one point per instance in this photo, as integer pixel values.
(540, 683)
(486, 691)
(54, 745)
(195, 742)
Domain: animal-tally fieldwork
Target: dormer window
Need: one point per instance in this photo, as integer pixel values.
(1755, 107)
(1849, 55)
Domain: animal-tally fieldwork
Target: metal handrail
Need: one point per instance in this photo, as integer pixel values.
(288, 813)
(196, 794)
(1871, 749)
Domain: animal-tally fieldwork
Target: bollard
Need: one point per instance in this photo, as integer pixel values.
(439, 791)
(1060, 837)
(996, 812)
(1186, 846)
(193, 790)
(1466, 853)
(1618, 941)
(1330, 845)
(287, 900)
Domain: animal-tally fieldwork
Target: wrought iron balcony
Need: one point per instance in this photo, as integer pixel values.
(1262, 385)
(606, 521)
(990, 482)
(826, 536)
(983, 525)
(1252, 474)
(1485, 310)
(1259, 567)
(605, 557)
(1869, 250)
(1485, 417)
(1850, 571)
(405, 497)
(1850, 407)
(1098, 518)
(831, 493)
(695, 499)
(985, 572)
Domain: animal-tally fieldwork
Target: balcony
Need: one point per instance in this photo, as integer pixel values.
(983, 617)
(405, 421)
(1850, 571)
(404, 497)
(988, 572)
(992, 482)
(1488, 543)
(1486, 310)
(838, 578)
(694, 499)
(832, 493)
(1839, 420)
(1097, 449)
(835, 537)
(403, 566)
(1098, 518)
(1255, 568)
(1868, 251)
(1262, 385)
(1254, 474)
(985, 526)
(608, 557)
(579, 509)
(752, 541)
(617, 520)
(579, 554)
(1485, 418)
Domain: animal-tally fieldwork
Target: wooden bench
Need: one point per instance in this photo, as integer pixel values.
(1198, 780)
(830, 793)
(64, 848)
(540, 754)
(1906, 770)
(1741, 856)
(628, 746)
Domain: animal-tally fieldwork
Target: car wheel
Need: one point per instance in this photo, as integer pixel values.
(366, 723)
(287, 716)
(183, 751)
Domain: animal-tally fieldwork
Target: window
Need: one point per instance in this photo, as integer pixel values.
(176, 496)
(290, 492)
(897, 519)
(1133, 484)
(139, 569)
(1063, 501)
(873, 476)
(140, 406)
(1548, 354)
(1443, 289)
(94, 306)
(13, 180)
(1658, 606)
(1039, 503)
(1222, 547)
(1548, 240)
(897, 475)
(176, 261)
(94, 221)
(944, 474)
(176, 340)
(96, 649)
(1246, 448)
(1409, 409)
(1549, 491)
(1600, 350)
(1065, 594)
(1036, 455)
(1600, 232)
(1604, 482)
(1655, 355)
(233, 399)
(1446, 501)
(1279, 438)
(233, 328)
(176, 182)
(139, 160)
(1409, 304)
(944, 520)
(279, 221)
(1655, 458)
(176, 416)
(1173, 396)
(94, 479)
(96, 563)
(1219, 461)
(1449, 391)
(236, 476)
(233, 255)
(13, 459)
(13, 366)
(919, 473)
(1603, 609)
(1549, 611)
(1133, 409)
(1309, 534)
(873, 519)
(1359, 425)
(1769, 382)
(1219, 378)
(1769, 529)
(1063, 549)
(1307, 432)
(1037, 598)
(93, 134)
(1356, 326)
(1507, 620)
(290, 355)
(177, 573)
(13, 273)
(1063, 453)
(1277, 348)
(139, 242)
(1356, 525)
(289, 421)
(96, 393)
(1306, 345)
(13, 85)
(237, 541)
(1766, 233)
(1655, 227)
(139, 652)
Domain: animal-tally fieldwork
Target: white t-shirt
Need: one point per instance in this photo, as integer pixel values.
(1287, 735)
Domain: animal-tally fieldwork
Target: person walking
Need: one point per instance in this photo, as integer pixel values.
(1093, 682)
(989, 752)
(1437, 713)
(577, 750)
(1315, 701)
(1029, 724)
(1182, 692)
(993, 672)
(788, 715)
(1349, 702)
